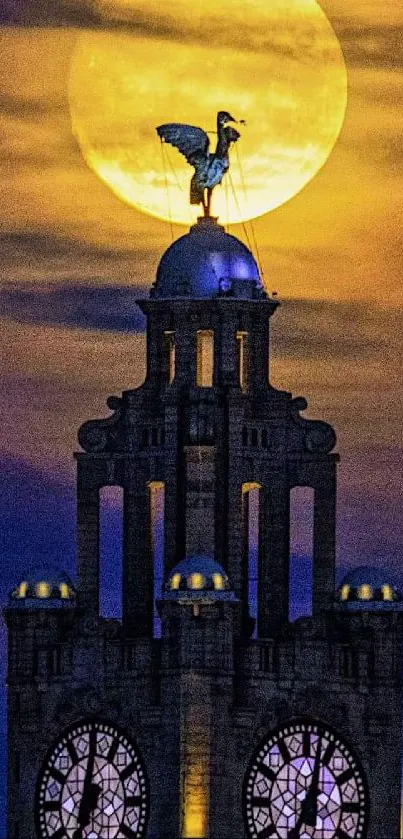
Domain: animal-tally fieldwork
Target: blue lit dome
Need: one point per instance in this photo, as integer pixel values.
(198, 578)
(368, 588)
(207, 262)
(43, 588)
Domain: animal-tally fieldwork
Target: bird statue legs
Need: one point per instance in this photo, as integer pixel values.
(207, 201)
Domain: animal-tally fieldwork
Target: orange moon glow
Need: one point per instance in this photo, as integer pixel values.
(278, 65)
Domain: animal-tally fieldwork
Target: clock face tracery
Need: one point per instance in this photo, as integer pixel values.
(92, 786)
(304, 782)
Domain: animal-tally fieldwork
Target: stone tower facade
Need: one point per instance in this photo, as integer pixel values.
(292, 734)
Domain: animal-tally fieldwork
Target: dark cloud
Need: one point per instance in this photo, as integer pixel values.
(377, 47)
(111, 308)
(323, 328)
(148, 24)
(306, 328)
(24, 108)
(33, 248)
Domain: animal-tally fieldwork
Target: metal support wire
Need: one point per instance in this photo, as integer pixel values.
(167, 188)
(243, 183)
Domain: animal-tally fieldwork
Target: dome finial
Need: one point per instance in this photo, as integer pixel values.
(193, 143)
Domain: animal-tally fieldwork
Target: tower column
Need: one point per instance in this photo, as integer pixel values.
(138, 572)
(88, 546)
(259, 353)
(324, 543)
(274, 557)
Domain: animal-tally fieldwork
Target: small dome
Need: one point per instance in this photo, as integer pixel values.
(43, 588)
(367, 587)
(205, 263)
(196, 578)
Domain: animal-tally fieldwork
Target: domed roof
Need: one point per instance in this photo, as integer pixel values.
(207, 262)
(367, 587)
(195, 578)
(43, 588)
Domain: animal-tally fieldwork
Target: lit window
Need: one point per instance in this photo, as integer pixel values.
(22, 589)
(387, 592)
(345, 591)
(196, 580)
(218, 582)
(64, 591)
(205, 358)
(169, 338)
(175, 581)
(42, 589)
(365, 592)
(242, 343)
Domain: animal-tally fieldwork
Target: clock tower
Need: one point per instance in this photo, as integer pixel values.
(213, 730)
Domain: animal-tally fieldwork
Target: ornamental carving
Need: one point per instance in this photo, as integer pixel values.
(314, 436)
(102, 435)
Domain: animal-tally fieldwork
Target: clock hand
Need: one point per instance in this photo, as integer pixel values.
(90, 791)
(309, 807)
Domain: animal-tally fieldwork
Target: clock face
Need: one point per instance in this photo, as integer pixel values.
(304, 782)
(92, 786)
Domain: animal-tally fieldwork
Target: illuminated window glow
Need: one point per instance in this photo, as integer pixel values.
(22, 589)
(218, 582)
(196, 581)
(170, 351)
(42, 590)
(64, 591)
(242, 339)
(387, 592)
(365, 592)
(345, 591)
(205, 358)
(175, 581)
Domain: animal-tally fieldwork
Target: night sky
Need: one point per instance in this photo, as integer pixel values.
(74, 259)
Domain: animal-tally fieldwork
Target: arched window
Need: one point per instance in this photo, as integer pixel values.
(301, 552)
(110, 551)
(205, 358)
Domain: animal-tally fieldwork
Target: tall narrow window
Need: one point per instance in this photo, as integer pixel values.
(157, 515)
(169, 339)
(250, 493)
(205, 358)
(301, 552)
(111, 551)
(242, 345)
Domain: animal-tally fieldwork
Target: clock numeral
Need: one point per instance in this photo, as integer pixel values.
(133, 800)
(328, 753)
(50, 806)
(345, 776)
(306, 744)
(93, 740)
(127, 771)
(58, 776)
(267, 771)
(112, 751)
(350, 807)
(128, 832)
(260, 801)
(72, 752)
(284, 751)
(267, 831)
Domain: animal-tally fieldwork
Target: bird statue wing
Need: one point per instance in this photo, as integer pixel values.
(191, 141)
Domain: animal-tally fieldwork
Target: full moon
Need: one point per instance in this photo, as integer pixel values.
(277, 65)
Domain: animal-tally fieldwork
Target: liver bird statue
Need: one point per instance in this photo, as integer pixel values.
(193, 143)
